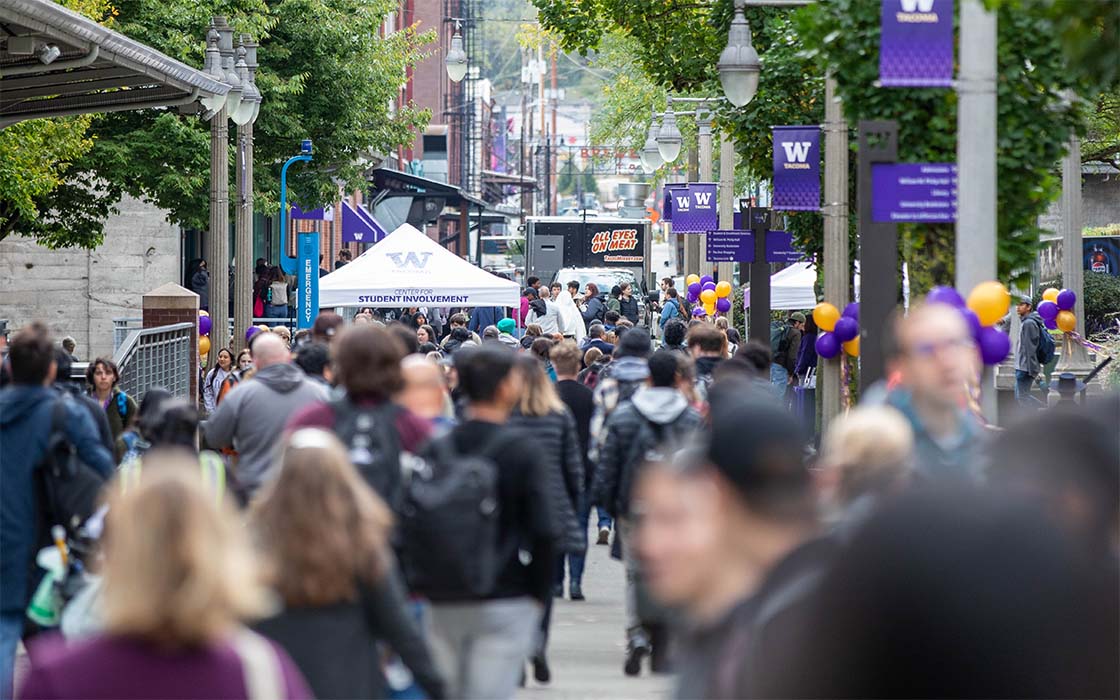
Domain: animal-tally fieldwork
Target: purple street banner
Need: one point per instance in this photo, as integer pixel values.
(355, 228)
(730, 246)
(378, 229)
(694, 208)
(779, 248)
(797, 168)
(668, 207)
(916, 45)
(920, 193)
(320, 214)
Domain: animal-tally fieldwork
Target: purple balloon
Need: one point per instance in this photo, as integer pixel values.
(945, 295)
(994, 346)
(1051, 323)
(852, 311)
(1066, 300)
(723, 305)
(828, 346)
(250, 332)
(704, 279)
(699, 311)
(1048, 310)
(695, 288)
(973, 322)
(846, 329)
(204, 324)
(693, 298)
(708, 285)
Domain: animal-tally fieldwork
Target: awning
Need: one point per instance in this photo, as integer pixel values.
(89, 68)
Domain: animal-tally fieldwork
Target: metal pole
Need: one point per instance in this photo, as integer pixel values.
(692, 261)
(758, 317)
(287, 264)
(976, 162)
(243, 225)
(704, 147)
(878, 253)
(836, 264)
(217, 254)
(726, 270)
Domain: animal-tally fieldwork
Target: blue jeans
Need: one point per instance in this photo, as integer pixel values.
(604, 517)
(576, 562)
(1023, 385)
(11, 627)
(278, 311)
(779, 380)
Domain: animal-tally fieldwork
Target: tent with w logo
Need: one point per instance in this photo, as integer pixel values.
(406, 268)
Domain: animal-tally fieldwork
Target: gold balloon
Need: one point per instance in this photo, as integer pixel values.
(1066, 321)
(826, 315)
(203, 346)
(708, 296)
(710, 309)
(1051, 294)
(852, 347)
(989, 301)
(723, 289)
(203, 313)
(691, 279)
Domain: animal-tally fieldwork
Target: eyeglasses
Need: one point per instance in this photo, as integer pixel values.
(932, 349)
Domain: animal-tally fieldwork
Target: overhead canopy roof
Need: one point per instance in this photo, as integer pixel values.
(399, 184)
(96, 69)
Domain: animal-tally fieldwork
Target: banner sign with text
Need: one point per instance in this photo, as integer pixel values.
(307, 301)
(694, 208)
(797, 168)
(730, 246)
(921, 193)
(320, 214)
(779, 248)
(916, 45)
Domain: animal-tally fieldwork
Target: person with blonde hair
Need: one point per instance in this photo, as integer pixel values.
(284, 332)
(326, 534)
(179, 577)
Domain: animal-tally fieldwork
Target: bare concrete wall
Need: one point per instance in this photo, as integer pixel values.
(79, 292)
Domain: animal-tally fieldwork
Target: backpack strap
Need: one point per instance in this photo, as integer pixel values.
(260, 666)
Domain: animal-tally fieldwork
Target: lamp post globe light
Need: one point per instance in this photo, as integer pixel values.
(229, 68)
(738, 64)
(249, 106)
(650, 155)
(212, 66)
(456, 60)
(669, 138)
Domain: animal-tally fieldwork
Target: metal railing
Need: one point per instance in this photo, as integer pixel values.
(159, 356)
(125, 325)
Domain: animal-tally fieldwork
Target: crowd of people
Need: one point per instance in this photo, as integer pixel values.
(393, 504)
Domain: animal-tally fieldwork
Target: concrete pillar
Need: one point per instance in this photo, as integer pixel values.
(171, 304)
(243, 224)
(217, 238)
(727, 158)
(704, 153)
(1074, 357)
(836, 264)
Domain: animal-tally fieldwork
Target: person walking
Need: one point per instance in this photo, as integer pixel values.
(1027, 365)
(484, 316)
(581, 403)
(252, 419)
(571, 321)
(706, 345)
(243, 371)
(482, 641)
(102, 376)
(613, 303)
(27, 415)
(785, 343)
(627, 304)
(656, 419)
(544, 313)
(276, 301)
(594, 309)
(179, 575)
(542, 415)
(212, 383)
(73, 389)
(326, 535)
(200, 285)
(671, 308)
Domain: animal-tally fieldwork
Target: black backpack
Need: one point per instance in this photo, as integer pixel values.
(370, 437)
(68, 489)
(1046, 350)
(449, 523)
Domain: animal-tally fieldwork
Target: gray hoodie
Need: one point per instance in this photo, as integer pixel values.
(251, 419)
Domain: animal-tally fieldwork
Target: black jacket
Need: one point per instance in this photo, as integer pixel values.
(628, 308)
(595, 310)
(557, 446)
(581, 402)
(335, 646)
(651, 419)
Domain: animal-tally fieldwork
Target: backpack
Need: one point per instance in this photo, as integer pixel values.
(68, 489)
(369, 434)
(449, 522)
(1046, 350)
(779, 340)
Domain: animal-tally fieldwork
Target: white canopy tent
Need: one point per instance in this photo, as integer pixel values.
(792, 288)
(406, 268)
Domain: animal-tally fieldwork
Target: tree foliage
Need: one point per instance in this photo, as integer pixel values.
(325, 73)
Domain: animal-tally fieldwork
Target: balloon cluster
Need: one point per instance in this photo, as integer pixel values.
(204, 326)
(987, 304)
(713, 296)
(1056, 309)
(837, 330)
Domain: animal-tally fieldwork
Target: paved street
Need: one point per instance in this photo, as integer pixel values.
(587, 646)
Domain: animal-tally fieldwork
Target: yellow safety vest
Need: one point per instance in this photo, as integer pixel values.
(211, 468)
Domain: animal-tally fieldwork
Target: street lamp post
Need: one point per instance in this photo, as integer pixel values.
(243, 214)
(738, 64)
(216, 244)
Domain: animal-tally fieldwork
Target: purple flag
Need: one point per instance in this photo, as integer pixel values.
(695, 209)
(668, 207)
(916, 45)
(356, 229)
(320, 214)
(797, 168)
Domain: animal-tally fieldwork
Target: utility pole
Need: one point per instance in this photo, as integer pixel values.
(217, 239)
(699, 242)
(976, 163)
(726, 270)
(836, 264)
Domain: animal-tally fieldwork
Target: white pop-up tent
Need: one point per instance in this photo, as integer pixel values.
(790, 288)
(406, 268)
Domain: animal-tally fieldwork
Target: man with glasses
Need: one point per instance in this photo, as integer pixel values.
(936, 358)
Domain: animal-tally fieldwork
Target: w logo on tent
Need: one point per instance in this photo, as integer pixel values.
(917, 5)
(406, 260)
(703, 199)
(796, 151)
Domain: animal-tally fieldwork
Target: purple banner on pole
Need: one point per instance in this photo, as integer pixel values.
(779, 247)
(668, 206)
(320, 214)
(730, 246)
(356, 229)
(921, 193)
(916, 45)
(377, 227)
(694, 208)
(797, 168)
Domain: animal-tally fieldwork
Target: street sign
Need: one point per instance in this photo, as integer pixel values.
(730, 246)
(924, 193)
(779, 248)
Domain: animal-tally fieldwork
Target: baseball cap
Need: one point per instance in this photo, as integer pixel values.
(797, 316)
(1023, 299)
